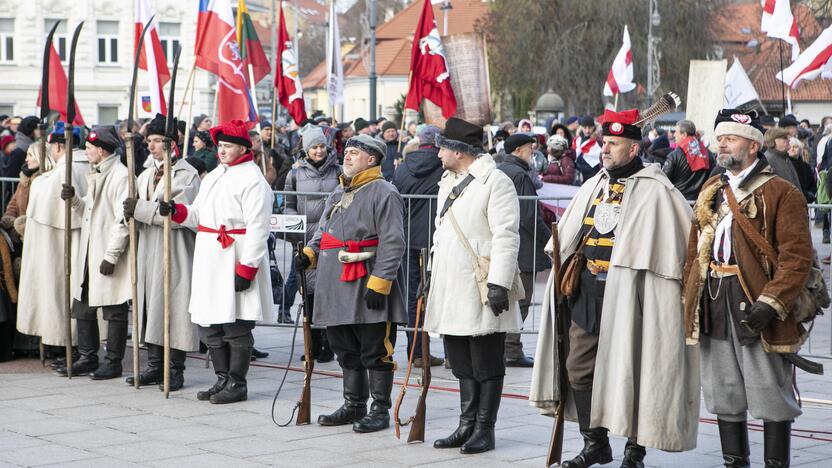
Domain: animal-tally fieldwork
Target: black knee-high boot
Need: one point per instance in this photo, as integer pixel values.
(381, 387)
(777, 443)
(356, 392)
(733, 436)
(482, 439)
(469, 397)
(219, 358)
(596, 440)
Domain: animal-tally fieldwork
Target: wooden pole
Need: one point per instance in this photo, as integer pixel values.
(615, 103)
(404, 112)
(274, 117)
(190, 98)
(68, 250)
(187, 87)
(129, 151)
(41, 164)
(167, 272)
(216, 102)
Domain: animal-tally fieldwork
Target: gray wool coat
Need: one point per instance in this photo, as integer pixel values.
(184, 188)
(373, 210)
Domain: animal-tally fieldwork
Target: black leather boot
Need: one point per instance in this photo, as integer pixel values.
(482, 439)
(777, 443)
(633, 455)
(177, 370)
(596, 440)
(381, 387)
(326, 354)
(153, 374)
(236, 389)
(88, 343)
(733, 436)
(116, 345)
(219, 358)
(356, 392)
(469, 397)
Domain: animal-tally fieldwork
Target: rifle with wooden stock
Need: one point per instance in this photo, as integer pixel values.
(562, 320)
(417, 430)
(305, 402)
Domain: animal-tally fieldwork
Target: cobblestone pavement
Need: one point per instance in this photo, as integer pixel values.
(49, 420)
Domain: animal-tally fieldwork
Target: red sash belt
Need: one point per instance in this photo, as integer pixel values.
(222, 234)
(349, 271)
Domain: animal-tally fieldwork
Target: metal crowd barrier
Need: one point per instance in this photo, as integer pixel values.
(819, 343)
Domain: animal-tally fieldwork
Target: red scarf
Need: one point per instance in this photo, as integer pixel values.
(695, 153)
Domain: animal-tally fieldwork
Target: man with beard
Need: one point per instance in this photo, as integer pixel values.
(749, 255)
(628, 368)
(360, 300)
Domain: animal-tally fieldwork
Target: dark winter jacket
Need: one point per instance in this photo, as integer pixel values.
(562, 171)
(419, 174)
(779, 162)
(677, 169)
(388, 165)
(308, 178)
(806, 177)
(208, 156)
(531, 220)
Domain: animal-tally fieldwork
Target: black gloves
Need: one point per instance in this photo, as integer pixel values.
(374, 300)
(167, 208)
(67, 192)
(497, 299)
(106, 268)
(130, 207)
(760, 316)
(302, 262)
(240, 283)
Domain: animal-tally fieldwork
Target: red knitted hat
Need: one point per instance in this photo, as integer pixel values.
(231, 132)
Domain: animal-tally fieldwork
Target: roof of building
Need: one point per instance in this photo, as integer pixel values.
(736, 28)
(395, 39)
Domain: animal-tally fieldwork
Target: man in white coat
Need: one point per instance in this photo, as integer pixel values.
(40, 311)
(231, 285)
(473, 303)
(628, 368)
(150, 307)
(100, 272)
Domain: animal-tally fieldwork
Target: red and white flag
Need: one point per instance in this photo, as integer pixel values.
(287, 74)
(216, 51)
(815, 61)
(590, 150)
(779, 23)
(152, 59)
(429, 74)
(620, 78)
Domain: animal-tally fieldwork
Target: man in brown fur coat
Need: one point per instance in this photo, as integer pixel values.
(738, 301)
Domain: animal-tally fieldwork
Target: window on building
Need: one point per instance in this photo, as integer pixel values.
(6, 109)
(107, 42)
(6, 40)
(59, 39)
(169, 38)
(107, 114)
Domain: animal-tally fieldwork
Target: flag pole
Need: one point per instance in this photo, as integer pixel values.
(188, 122)
(783, 84)
(615, 103)
(216, 101)
(404, 111)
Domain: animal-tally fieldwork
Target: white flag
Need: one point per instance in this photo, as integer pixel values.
(620, 78)
(779, 23)
(335, 68)
(738, 87)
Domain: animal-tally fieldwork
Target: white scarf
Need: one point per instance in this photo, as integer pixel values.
(722, 234)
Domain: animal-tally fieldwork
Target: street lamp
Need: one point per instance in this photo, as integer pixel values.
(550, 104)
(446, 7)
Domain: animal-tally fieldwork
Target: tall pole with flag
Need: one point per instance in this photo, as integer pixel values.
(286, 73)
(151, 59)
(815, 61)
(620, 77)
(251, 49)
(430, 77)
(778, 22)
(216, 50)
(335, 67)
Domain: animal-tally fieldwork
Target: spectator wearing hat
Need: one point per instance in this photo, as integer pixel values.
(777, 144)
(790, 123)
(418, 174)
(659, 147)
(101, 273)
(362, 127)
(689, 165)
(361, 303)
(232, 287)
(735, 309)
(266, 135)
(150, 307)
(40, 310)
(533, 235)
(587, 149)
(390, 136)
(25, 136)
(205, 151)
(7, 145)
(561, 169)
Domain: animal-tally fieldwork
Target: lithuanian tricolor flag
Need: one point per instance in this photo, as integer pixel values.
(251, 49)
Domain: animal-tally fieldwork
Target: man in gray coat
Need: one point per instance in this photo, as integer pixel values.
(357, 251)
(183, 334)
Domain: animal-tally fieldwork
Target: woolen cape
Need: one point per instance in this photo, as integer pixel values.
(646, 382)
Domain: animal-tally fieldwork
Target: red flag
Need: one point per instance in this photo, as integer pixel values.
(151, 58)
(57, 88)
(216, 50)
(287, 75)
(429, 76)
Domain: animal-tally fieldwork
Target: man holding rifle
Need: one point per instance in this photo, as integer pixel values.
(622, 241)
(231, 286)
(358, 251)
(150, 307)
